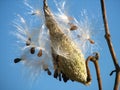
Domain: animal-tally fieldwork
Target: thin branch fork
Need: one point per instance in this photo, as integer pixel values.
(109, 42)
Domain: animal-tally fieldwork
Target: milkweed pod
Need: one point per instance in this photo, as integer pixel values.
(72, 61)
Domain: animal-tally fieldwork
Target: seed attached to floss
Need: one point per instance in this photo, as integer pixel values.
(39, 53)
(65, 79)
(56, 73)
(91, 41)
(37, 12)
(48, 71)
(28, 42)
(33, 13)
(73, 27)
(59, 76)
(32, 50)
(17, 60)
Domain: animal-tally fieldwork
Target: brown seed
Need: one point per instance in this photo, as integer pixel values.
(56, 73)
(73, 27)
(32, 50)
(91, 41)
(33, 13)
(28, 42)
(39, 53)
(59, 76)
(46, 69)
(65, 79)
(49, 73)
(17, 60)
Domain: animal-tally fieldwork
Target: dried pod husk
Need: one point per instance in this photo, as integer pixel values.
(71, 60)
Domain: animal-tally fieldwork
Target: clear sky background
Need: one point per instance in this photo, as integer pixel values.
(11, 75)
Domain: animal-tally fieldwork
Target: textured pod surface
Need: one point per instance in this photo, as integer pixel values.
(71, 60)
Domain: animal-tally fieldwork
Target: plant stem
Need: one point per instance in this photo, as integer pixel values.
(94, 59)
(109, 42)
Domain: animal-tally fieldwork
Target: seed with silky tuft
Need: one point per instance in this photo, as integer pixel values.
(56, 73)
(39, 53)
(17, 60)
(28, 42)
(59, 76)
(65, 79)
(91, 41)
(73, 27)
(48, 71)
(32, 50)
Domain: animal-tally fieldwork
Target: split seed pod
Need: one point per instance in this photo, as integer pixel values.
(72, 64)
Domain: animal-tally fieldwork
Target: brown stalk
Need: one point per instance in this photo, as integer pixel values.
(109, 42)
(94, 59)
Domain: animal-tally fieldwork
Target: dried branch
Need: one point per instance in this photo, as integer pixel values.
(94, 59)
(109, 42)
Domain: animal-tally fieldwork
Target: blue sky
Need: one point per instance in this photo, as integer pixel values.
(11, 75)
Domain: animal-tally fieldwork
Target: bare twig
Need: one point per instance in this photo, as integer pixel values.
(94, 59)
(112, 72)
(109, 42)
